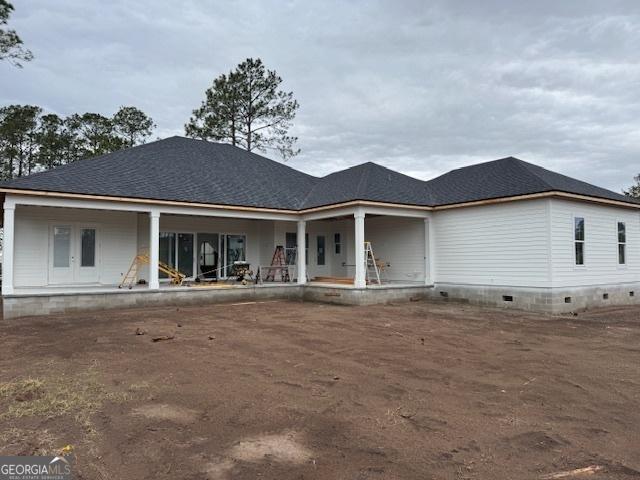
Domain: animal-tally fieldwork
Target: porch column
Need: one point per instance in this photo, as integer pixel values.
(301, 252)
(360, 280)
(430, 247)
(427, 253)
(7, 248)
(154, 245)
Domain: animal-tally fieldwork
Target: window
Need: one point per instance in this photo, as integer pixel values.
(88, 247)
(579, 239)
(622, 243)
(320, 245)
(338, 243)
(291, 246)
(291, 241)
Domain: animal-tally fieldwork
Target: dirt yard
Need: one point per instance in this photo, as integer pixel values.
(284, 390)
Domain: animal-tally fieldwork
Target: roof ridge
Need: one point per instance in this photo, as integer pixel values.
(364, 178)
(525, 165)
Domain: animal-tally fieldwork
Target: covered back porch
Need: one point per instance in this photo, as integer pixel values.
(69, 247)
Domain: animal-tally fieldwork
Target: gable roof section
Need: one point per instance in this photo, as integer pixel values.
(196, 171)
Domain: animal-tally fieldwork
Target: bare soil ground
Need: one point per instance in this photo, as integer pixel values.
(285, 390)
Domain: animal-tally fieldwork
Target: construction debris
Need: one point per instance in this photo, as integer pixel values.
(590, 470)
(162, 338)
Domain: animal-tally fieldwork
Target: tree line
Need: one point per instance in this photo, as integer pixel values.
(32, 141)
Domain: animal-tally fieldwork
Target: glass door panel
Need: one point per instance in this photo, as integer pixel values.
(88, 247)
(235, 250)
(61, 261)
(61, 247)
(167, 252)
(185, 253)
(208, 255)
(87, 264)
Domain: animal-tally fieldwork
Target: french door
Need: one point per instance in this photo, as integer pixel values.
(73, 254)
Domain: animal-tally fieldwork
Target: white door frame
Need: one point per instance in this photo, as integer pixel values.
(75, 273)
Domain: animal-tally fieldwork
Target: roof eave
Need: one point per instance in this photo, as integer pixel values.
(354, 203)
(548, 194)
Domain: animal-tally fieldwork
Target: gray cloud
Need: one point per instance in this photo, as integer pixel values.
(421, 87)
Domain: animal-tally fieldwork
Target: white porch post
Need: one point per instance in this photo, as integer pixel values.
(427, 253)
(301, 253)
(7, 248)
(360, 280)
(154, 245)
(430, 247)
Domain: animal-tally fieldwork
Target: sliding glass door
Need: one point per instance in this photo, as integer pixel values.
(185, 254)
(235, 247)
(207, 255)
(176, 251)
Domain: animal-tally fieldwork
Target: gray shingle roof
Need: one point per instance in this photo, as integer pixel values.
(180, 169)
(188, 170)
(368, 181)
(508, 177)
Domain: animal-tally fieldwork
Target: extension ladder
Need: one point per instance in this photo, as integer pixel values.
(131, 277)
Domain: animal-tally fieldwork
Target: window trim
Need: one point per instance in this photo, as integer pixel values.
(619, 243)
(576, 241)
(337, 244)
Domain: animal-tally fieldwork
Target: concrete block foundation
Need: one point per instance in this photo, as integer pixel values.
(343, 295)
(547, 300)
(23, 305)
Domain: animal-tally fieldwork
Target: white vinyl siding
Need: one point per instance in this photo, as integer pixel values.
(115, 247)
(503, 244)
(399, 242)
(601, 244)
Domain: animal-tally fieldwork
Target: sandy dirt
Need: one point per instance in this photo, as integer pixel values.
(285, 390)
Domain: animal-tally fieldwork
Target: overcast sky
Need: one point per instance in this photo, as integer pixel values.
(421, 87)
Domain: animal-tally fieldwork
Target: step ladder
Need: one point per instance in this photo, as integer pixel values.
(372, 272)
(131, 277)
(278, 266)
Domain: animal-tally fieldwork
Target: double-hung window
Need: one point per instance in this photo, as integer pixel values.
(338, 243)
(578, 237)
(622, 243)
